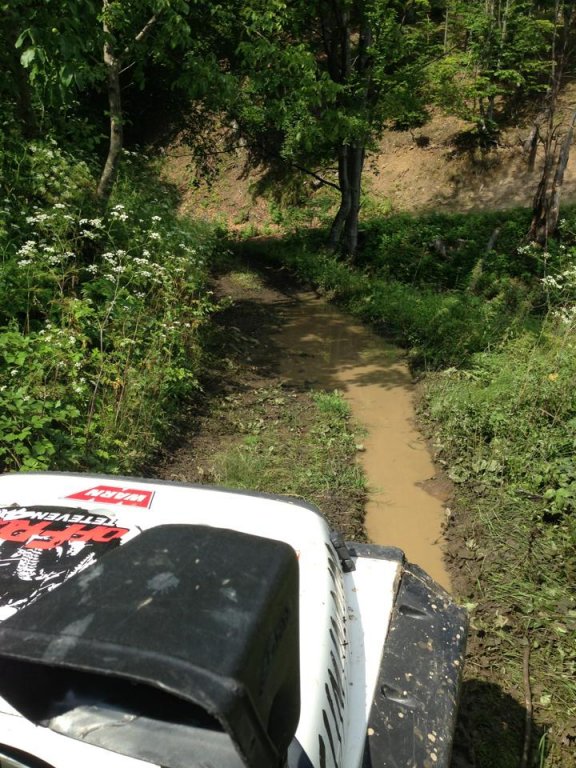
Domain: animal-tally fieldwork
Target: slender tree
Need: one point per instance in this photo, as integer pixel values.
(321, 79)
(553, 132)
(126, 28)
(113, 65)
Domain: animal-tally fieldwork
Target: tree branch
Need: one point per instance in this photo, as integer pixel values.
(311, 173)
(146, 28)
(144, 31)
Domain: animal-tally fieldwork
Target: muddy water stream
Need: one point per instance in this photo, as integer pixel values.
(325, 348)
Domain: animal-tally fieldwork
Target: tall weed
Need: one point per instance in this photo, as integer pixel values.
(102, 315)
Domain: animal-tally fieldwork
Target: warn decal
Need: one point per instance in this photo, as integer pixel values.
(131, 497)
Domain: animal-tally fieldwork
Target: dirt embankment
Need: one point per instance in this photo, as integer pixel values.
(427, 169)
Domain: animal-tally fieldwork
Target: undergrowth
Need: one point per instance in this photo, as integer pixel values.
(504, 428)
(439, 328)
(101, 313)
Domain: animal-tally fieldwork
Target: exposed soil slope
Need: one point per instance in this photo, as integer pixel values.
(427, 169)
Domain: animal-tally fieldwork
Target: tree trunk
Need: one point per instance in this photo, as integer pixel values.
(539, 225)
(343, 235)
(344, 231)
(530, 146)
(546, 206)
(112, 64)
(335, 236)
(355, 167)
(554, 207)
(25, 110)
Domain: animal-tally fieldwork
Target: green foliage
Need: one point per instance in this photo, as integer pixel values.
(449, 251)
(40, 420)
(300, 101)
(102, 315)
(505, 430)
(493, 54)
(50, 50)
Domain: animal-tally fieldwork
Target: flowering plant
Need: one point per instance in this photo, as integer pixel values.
(101, 315)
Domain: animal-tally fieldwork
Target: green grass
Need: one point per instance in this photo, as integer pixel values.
(505, 431)
(308, 450)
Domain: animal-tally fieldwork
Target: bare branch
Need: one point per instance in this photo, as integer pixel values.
(127, 67)
(146, 29)
(314, 175)
(143, 32)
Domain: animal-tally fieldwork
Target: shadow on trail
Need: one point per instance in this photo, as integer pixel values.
(334, 351)
(490, 729)
(320, 345)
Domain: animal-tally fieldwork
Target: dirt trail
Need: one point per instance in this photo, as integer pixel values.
(325, 348)
(284, 338)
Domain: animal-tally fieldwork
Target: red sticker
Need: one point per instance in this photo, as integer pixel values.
(131, 497)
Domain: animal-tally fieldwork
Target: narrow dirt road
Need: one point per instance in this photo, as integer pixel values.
(285, 338)
(326, 349)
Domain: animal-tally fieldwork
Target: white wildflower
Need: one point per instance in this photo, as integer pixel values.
(28, 249)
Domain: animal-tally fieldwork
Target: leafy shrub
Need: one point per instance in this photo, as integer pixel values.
(102, 312)
(444, 250)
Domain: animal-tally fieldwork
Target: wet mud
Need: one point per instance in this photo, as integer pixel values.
(324, 348)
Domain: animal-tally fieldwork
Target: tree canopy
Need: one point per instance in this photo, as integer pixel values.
(310, 84)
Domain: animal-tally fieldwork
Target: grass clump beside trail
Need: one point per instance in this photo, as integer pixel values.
(306, 450)
(101, 312)
(495, 332)
(505, 430)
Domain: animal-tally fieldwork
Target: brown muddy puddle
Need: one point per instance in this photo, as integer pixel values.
(326, 349)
